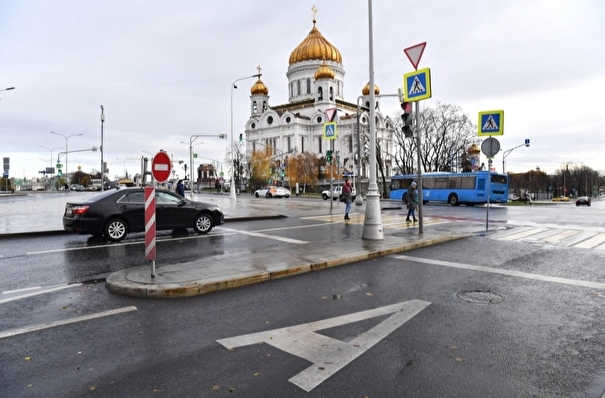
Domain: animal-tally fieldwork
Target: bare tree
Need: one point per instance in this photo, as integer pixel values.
(238, 165)
(446, 133)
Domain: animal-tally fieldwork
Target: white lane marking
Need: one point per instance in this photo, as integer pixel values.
(260, 235)
(138, 242)
(523, 234)
(590, 243)
(519, 274)
(39, 292)
(34, 328)
(25, 289)
(327, 354)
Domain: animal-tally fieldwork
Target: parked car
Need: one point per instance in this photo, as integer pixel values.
(583, 200)
(560, 199)
(272, 192)
(76, 187)
(336, 192)
(119, 211)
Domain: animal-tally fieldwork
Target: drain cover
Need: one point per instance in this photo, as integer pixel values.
(480, 297)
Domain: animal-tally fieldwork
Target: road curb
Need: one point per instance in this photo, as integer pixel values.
(119, 283)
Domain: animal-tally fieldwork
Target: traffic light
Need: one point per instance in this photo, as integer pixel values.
(406, 117)
(329, 156)
(241, 137)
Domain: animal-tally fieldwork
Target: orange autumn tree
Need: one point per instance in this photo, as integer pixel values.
(259, 167)
(302, 169)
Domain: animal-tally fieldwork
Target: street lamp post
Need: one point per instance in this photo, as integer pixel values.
(51, 156)
(66, 149)
(232, 189)
(191, 140)
(372, 227)
(101, 148)
(508, 151)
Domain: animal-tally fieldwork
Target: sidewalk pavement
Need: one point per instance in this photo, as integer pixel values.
(231, 270)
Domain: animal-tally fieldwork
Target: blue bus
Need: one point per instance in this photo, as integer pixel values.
(454, 188)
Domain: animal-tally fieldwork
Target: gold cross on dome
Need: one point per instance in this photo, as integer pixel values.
(258, 68)
(314, 9)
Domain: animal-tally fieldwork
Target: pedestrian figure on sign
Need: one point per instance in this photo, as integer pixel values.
(412, 202)
(346, 193)
(180, 188)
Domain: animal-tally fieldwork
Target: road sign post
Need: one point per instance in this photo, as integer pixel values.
(150, 227)
(161, 167)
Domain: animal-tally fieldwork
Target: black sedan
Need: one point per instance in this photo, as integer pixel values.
(119, 211)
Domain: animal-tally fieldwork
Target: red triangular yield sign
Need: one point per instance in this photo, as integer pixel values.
(414, 53)
(330, 113)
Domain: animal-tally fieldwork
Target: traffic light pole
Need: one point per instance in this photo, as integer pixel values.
(419, 145)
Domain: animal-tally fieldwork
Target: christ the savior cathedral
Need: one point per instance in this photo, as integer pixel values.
(316, 84)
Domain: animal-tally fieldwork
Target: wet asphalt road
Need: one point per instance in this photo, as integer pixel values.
(516, 317)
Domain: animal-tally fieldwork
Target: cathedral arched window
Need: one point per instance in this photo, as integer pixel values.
(320, 94)
(331, 93)
(264, 106)
(254, 107)
(308, 86)
(298, 87)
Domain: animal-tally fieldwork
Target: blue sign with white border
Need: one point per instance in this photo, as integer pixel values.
(330, 131)
(491, 123)
(417, 85)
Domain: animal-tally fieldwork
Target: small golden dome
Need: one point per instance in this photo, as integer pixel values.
(315, 46)
(324, 72)
(366, 89)
(473, 149)
(259, 88)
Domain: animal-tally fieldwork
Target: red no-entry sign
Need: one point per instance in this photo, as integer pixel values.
(161, 167)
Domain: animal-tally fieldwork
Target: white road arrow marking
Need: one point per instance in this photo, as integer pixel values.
(329, 355)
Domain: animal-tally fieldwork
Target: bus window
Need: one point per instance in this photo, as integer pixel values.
(441, 183)
(468, 183)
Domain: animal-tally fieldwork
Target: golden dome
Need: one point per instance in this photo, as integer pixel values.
(259, 88)
(315, 46)
(366, 89)
(324, 72)
(473, 149)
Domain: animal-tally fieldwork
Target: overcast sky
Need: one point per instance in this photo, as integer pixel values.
(163, 71)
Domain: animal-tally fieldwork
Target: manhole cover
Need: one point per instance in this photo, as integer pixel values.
(480, 297)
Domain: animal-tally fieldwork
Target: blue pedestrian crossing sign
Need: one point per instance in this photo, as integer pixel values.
(330, 131)
(417, 85)
(491, 123)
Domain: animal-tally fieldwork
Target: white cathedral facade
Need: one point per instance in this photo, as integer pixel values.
(316, 84)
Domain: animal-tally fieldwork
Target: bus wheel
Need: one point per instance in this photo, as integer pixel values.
(453, 200)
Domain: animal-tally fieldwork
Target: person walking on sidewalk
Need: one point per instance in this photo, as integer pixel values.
(412, 202)
(180, 188)
(346, 194)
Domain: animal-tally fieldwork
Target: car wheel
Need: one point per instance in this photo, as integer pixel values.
(287, 196)
(203, 224)
(324, 196)
(269, 195)
(116, 230)
(256, 194)
(453, 200)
